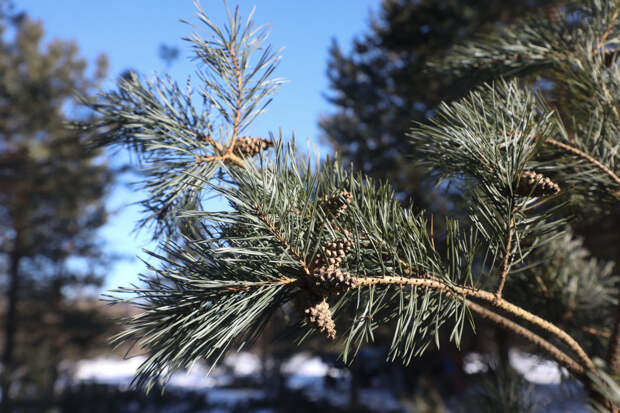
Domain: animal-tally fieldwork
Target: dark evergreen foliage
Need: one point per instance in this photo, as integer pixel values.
(52, 189)
(384, 83)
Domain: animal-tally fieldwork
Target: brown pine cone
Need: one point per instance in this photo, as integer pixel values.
(336, 204)
(531, 183)
(325, 281)
(248, 146)
(333, 253)
(317, 314)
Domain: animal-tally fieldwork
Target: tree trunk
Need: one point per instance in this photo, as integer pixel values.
(354, 395)
(10, 329)
(502, 340)
(613, 351)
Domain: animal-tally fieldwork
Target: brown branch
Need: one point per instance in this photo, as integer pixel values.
(613, 349)
(542, 201)
(283, 241)
(610, 26)
(432, 232)
(555, 353)
(506, 265)
(211, 142)
(609, 99)
(490, 298)
(586, 157)
(226, 157)
(597, 332)
(237, 118)
(542, 285)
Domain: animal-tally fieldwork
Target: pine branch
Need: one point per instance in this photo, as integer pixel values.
(555, 353)
(586, 157)
(333, 240)
(238, 102)
(261, 215)
(506, 265)
(610, 25)
(489, 298)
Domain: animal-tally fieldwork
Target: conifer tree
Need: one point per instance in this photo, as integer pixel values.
(337, 251)
(383, 84)
(52, 188)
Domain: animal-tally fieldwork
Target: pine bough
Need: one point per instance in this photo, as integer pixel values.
(336, 251)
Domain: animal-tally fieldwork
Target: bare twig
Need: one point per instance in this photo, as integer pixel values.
(237, 118)
(613, 350)
(210, 141)
(506, 265)
(555, 353)
(597, 332)
(283, 241)
(586, 157)
(226, 157)
(432, 233)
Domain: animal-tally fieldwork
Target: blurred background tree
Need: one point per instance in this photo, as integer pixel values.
(383, 85)
(52, 192)
(393, 77)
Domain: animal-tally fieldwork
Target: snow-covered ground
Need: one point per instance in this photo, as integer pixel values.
(310, 374)
(535, 369)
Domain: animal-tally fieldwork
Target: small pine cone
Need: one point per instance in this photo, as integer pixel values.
(331, 280)
(336, 204)
(318, 315)
(533, 184)
(333, 253)
(248, 146)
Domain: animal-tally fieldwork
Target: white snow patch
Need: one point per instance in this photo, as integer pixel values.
(242, 364)
(195, 378)
(120, 372)
(475, 363)
(306, 365)
(535, 369)
(107, 370)
(306, 372)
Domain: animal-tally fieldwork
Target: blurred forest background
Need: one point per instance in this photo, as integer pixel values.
(53, 205)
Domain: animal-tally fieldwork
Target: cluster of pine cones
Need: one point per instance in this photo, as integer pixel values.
(326, 277)
(333, 253)
(336, 204)
(534, 184)
(248, 146)
(331, 280)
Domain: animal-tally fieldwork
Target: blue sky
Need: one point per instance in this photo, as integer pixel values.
(130, 32)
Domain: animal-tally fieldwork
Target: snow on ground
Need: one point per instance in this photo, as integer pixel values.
(535, 369)
(320, 381)
(107, 370)
(242, 364)
(551, 387)
(114, 371)
(309, 373)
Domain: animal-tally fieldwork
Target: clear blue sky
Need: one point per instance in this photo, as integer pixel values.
(130, 32)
